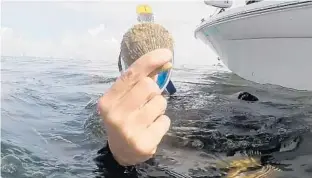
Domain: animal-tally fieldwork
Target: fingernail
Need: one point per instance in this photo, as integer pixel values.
(166, 67)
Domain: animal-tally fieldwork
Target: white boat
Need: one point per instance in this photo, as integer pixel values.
(268, 42)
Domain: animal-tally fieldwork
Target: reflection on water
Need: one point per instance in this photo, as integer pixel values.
(50, 127)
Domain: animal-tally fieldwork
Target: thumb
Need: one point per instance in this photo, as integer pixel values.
(163, 68)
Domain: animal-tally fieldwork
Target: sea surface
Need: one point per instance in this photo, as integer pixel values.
(49, 127)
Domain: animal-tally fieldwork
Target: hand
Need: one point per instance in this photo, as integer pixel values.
(133, 111)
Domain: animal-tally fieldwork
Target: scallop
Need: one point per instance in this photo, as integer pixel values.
(143, 38)
(267, 171)
(242, 161)
(247, 165)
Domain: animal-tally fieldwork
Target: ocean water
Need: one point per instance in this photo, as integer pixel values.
(50, 128)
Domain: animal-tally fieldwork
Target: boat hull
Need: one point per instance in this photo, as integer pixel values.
(268, 43)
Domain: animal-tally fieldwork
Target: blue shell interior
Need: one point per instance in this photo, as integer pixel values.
(163, 79)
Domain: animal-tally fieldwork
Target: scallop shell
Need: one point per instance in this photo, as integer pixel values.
(143, 38)
(242, 161)
(240, 166)
(267, 171)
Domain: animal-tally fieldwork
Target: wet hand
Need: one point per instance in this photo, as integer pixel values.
(133, 110)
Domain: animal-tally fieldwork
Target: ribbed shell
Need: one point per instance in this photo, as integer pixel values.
(241, 161)
(238, 166)
(143, 38)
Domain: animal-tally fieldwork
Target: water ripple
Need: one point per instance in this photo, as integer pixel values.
(50, 127)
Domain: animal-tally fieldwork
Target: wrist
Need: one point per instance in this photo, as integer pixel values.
(106, 160)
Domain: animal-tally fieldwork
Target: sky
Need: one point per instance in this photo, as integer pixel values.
(91, 28)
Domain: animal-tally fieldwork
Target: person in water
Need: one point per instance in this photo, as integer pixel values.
(133, 111)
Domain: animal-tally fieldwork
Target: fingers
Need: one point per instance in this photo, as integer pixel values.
(155, 132)
(140, 94)
(134, 101)
(151, 111)
(140, 68)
